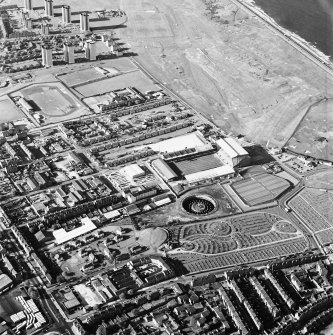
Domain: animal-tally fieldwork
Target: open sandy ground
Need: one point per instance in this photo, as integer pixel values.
(228, 65)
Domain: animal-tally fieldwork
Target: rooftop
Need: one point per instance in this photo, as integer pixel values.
(231, 147)
(212, 173)
(5, 281)
(62, 236)
(132, 171)
(191, 140)
(164, 169)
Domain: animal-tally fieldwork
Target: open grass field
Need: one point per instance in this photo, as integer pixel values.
(8, 110)
(322, 179)
(122, 64)
(236, 233)
(260, 188)
(152, 237)
(135, 79)
(53, 101)
(314, 136)
(315, 208)
(325, 237)
(157, 27)
(198, 164)
(81, 77)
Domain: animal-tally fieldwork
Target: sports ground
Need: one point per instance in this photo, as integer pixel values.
(135, 78)
(81, 77)
(260, 189)
(53, 101)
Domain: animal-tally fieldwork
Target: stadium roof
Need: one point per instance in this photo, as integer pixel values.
(236, 146)
(212, 173)
(191, 140)
(231, 147)
(164, 169)
(62, 236)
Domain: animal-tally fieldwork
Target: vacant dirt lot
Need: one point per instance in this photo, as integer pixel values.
(321, 180)
(314, 135)
(228, 65)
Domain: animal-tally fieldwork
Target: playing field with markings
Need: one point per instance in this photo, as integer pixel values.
(135, 78)
(53, 101)
(260, 188)
(80, 77)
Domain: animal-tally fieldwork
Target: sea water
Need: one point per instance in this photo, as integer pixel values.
(310, 19)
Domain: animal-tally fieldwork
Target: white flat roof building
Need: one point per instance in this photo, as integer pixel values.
(162, 202)
(133, 171)
(112, 215)
(62, 236)
(47, 55)
(191, 140)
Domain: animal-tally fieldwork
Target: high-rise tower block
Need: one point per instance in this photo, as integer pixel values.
(49, 8)
(84, 21)
(47, 58)
(69, 53)
(28, 4)
(90, 49)
(66, 14)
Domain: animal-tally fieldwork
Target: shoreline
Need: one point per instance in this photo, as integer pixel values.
(306, 47)
(290, 33)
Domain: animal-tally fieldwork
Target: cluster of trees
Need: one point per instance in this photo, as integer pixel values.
(25, 67)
